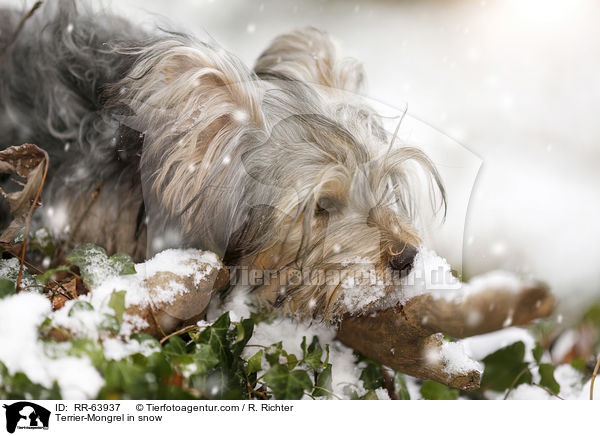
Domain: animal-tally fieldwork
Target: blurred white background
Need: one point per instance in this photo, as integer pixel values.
(515, 81)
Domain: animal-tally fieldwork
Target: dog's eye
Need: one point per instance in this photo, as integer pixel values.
(324, 205)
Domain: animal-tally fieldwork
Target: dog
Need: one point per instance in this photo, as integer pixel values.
(159, 140)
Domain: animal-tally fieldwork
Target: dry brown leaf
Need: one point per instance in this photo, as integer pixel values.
(26, 161)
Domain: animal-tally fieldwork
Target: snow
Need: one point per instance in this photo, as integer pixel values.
(180, 263)
(563, 345)
(431, 274)
(361, 286)
(456, 361)
(117, 349)
(477, 347)
(290, 333)
(21, 350)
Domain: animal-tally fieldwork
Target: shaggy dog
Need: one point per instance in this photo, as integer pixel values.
(179, 144)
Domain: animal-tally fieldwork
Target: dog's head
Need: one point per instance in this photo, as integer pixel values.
(282, 170)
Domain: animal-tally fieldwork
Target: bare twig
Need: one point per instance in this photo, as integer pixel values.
(162, 332)
(548, 390)
(514, 382)
(28, 219)
(594, 374)
(15, 34)
(178, 332)
(329, 392)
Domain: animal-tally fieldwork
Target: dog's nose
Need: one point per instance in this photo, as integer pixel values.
(403, 260)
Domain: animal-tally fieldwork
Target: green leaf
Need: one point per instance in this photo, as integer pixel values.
(9, 270)
(505, 367)
(117, 303)
(175, 347)
(244, 331)
(42, 242)
(96, 266)
(370, 395)
(205, 358)
(7, 287)
(80, 305)
(218, 341)
(314, 354)
(47, 275)
(272, 353)
(579, 364)
(93, 262)
(592, 315)
(324, 381)
(432, 390)
(110, 323)
(538, 352)
(255, 363)
(400, 386)
(292, 361)
(286, 384)
(547, 377)
(371, 376)
(123, 264)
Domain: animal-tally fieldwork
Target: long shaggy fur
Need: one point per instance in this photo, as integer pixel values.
(275, 169)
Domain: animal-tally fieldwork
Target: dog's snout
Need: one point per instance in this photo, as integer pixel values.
(403, 259)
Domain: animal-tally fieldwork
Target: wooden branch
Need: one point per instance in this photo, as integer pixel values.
(408, 338)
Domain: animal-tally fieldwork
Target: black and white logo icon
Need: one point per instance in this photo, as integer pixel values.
(26, 415)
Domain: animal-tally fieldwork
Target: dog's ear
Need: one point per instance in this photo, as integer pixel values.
(184, 79)
(310, 55)
(192, 102)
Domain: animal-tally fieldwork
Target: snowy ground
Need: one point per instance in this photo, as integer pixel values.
(514, 81)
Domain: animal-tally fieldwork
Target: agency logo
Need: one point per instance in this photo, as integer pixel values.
(27, 416)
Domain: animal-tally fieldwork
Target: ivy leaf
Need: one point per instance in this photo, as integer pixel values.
(244, 330)
(371, 395)
(255, 363)
(371, 375)
(9, 270)
(205, 358)
(117, 303)
(432, 390)
(292, 361)
(537, 352)
(123, 264)
(547, 377)
(579, 364)
(324, 381)
(505, 367)
(400, 386)
(286, 384)
(7, 287)
(175, 347)
(80, 305)
(47, 275)
(314, 353)
(110, 323)
(272, 353)
(42, 242)
(96, 266)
